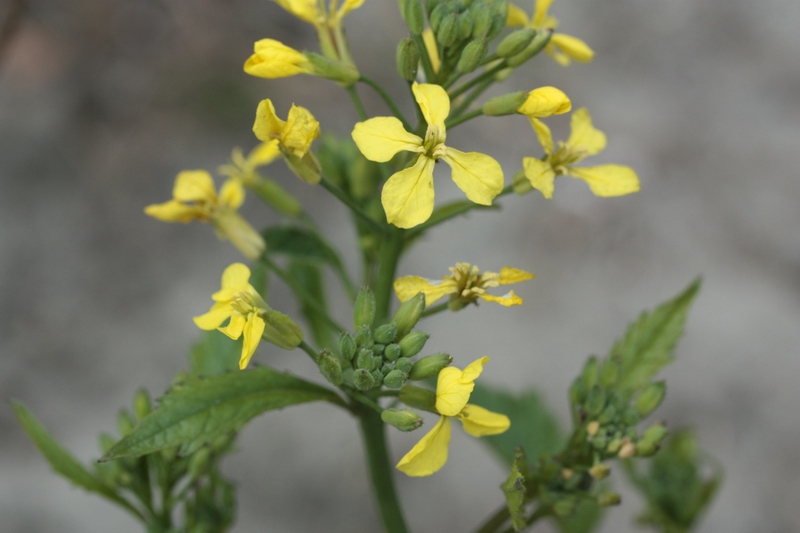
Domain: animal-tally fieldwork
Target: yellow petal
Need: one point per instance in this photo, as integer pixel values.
(236, 277)
(572, 47)
(273, 59)
(454, 386)
(474, 369)
(409, 286)
(232, 194)
(253, 330)
(407, 196)
(544, 102)
(302, 9)
(433, 51)
(267, 126)
(218, 313)
(430, 453)
(348, 6)
(379, 139)
(507, 300)
(175, 211)
(300, 131)
(543, 134)
(478, 175)
(516, 16)
(584, 137)
(540, 13)
(555, 53)
(434, 103)
(509, 275)
(235, 326)
(194, 186)
(608, 180)
(540, 174)
(263, 154)
(480, 422)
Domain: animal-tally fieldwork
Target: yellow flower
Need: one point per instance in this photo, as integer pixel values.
(465, 285)
(294, 137)
(545, 102)
(453, 390)
(238, 301)
(584, 140)
(407, 196)
(561, 47)
(315, 12)
(273, 59)
(194, 198)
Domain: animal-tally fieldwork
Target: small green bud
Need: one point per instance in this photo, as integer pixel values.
(377, 376)
(504, 105)
(414, 15)
(614, 445)
(521, 184)
(599, 441)
(655, 433)
(395, 379)
(199, 462)
(608, 415)
(363, 379)
(650, 398)
(646, 448)
(595, 401)
(408, 314)
(591, 371)
(418, 398)
(609, 499)
(472, 55)
(364, 337)
(565, 506)
(386, 368)
(498, 23)
(344, 74)
(430, 5)
(347, 346)
(281, 330)
(430, 366)
(407, 58)
(392, 351)
(537, 45)
(631, 417)
(609, 374)
(481, 19)
(437, 15)
(364, 309)
(577, 392)
(402, 419)
(515, 42)
(330, 367)
(447, 35)
(277, 197)
(413, 343)
(125, 423)
(600, 471)
(377, 349)
(141, 404)
(405, 364)
(365, 360)
(464, 25)
(386, 333)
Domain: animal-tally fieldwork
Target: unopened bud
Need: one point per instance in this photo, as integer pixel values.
(125, 423)
(364, 309)
(276, 197)
(595, 401)
(141, 404)
(281, 330)
(615, 445)
(609, 499)
(413, 13)
(364, 336)
(631, 416)
(627, 450)
(577, 392)
(392, 352)
(418, 398)
(447, 34)
(365, 359)
(481, 19)
(646, 448)
(591, 372)
(430, 366)
(544, 102)
(656, 433)
(307, 169)
(431, 5)
(608, 415)
(347, 346)
(464, 25)
(395, 379)
(567, 473)
(472, 55)
(600, 471)
(565, 506)
(412, 344)
(504, 105)
(377, 349)
(592, 428)
(538, 43)
(330, 367)
(650, 398)
(402, 419)
(386, 333)
(610, 371)
(408, 314)
(344, 74)
(437, 15)
(405, 364)
(498, 23)
(515, 42)
(407, 59)
(363, 380)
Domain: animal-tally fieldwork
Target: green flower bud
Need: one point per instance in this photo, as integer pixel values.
(521, 184)
(565, 506)
(609, 373)
(412, 344)
(418, 398)
(515, 42)
(392, 351)
(447, 34)
(199, 462)
(377, 376)
(404, 364)
(307, 169)
(609, 499)
(614, 445)
(498, 23)
(600, 471)
(464, 26)
(430, 366)
(608, 415)
(141, 404)
(504, 105)
(345, 74)
(408, 314)
(395, 379)
(125, 423)
(577, 392)
(430, 5)
(646, 448)
(650, 398)
(437, 15)
(413, 13)
(377, 349)
(595, 401)
(407, 57)
(537, 45)
(281, 330)
(402, 419)
(276, 197)
(347, 346)
(330, 367)
(386, 368)
(472, 55)
(386, 333)
(591, 372)
(655, 433)
(481, 19)
(365, 360)
(363, 380)
(599, 441)
(631, 417)
(364, 337)
(364, 309)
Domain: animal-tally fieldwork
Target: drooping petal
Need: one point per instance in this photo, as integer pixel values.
(543, 134)
(509, 275)
(175, 211)
(572, 47)
(584, 137)
(264, 154)
(194, 186)
(434, 103)
(348, 6)
(300, 131)
(218, 314)
(236, 277)
(407, 196)
(516, 16)
(430, 453)
(608, 180)
(507, 300)
(232, 194)
(273, 59)
(431, 47)
(267, 126)
(253, 329)
(380, 138)
(474, 369)
(303, 9)
(478, 175)
(235, 326)
(544, 102)
(540, 174)
(409, 286)
(540, 13)
(454, 386)
(480, 422)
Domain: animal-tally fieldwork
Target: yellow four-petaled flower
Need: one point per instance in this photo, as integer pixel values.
(562, 48)
(292, 136)
(453, 390)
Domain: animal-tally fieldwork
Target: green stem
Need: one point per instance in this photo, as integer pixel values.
(435, 309)
(452, 213)
(496, 521)
(312, 353)
(463, 118)
(362, 113)
(390, 255)
(381, 474)
(430, 75)
(479, 90)
(386, 98)
(354, 207)
(477, 80)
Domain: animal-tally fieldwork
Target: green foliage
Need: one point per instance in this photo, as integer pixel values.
(310, 277)
(299, 244)
(514, 489)
(215, 353)
(201, 409)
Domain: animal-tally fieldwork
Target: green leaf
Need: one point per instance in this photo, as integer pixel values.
(648, 343)
(310, 278)
(299, 244)
(215, 353)
(63, 462)
(514, 490)
(533, 425)
(201, 409)
(584, 520)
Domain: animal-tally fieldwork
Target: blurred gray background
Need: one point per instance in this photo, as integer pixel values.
(102, 103)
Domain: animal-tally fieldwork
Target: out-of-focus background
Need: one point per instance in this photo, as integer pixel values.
(103, 102)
